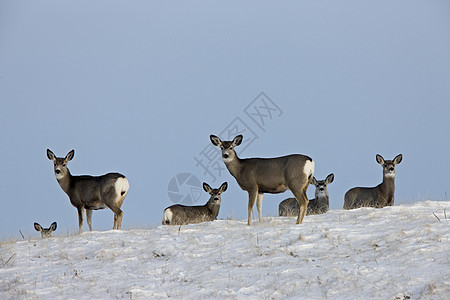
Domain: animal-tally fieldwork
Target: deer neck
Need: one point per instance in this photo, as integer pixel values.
(234, 165)
(65, 181)
(388, 185)
(213, 208)
(322, 199)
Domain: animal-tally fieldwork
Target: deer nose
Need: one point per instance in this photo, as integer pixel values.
(226, 156)
(57, 171)
(321, 189)
(391, 169)
(216, 198)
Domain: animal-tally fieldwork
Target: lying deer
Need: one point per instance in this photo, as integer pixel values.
(380, 196)
(268, 175)
(45, 232)
(182, 215)
(91, 192)
(319, 205)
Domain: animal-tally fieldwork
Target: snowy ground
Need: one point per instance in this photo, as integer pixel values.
(399, 252)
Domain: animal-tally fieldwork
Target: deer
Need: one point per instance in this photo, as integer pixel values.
(45, 232)
(91, 192)
(379, 196)
(319, 205)
(182, 215)
(267, 175)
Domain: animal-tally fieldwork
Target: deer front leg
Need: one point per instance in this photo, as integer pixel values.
(80, 219)
(89, 218)
(252, 195)
(259, 205)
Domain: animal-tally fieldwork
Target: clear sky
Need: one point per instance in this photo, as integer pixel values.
(137, 87)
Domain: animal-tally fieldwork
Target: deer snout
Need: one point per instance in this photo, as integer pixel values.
(321, 189)
(57, 171)
(226, 155)
(391, 169)
(216, 198)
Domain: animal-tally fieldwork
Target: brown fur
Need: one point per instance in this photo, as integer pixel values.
(89, 192)
(267, 175)
(319, 205)
(380, 196)
(45, 232)
(183, 215)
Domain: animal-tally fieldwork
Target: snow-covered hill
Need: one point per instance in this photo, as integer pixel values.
(399, 252)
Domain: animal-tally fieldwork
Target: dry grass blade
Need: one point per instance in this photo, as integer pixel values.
(11, 257)
(437, 217)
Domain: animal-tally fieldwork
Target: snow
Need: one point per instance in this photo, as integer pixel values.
(399, 252)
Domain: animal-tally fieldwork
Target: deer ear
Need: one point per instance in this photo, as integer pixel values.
(215, 140)
(380, 159)
(53, 226)
(37, 227)
(398, 159)
(206, 187)
(330, 178)
(314, 181)
(50, 155)
(223, 187)
(69, 155)
(237, 140)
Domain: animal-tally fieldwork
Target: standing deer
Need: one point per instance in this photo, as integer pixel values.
(45, 232)
(319, 205)
(182, 215)
(91, 192)
(380, 196)
(268, 175)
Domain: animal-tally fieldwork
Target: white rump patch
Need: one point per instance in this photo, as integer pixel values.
(122, 185)
(167, 218)
(308, 169)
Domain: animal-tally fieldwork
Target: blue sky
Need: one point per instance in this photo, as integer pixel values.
(137, 88)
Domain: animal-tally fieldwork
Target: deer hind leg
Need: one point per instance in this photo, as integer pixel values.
(80, 219)
(252, 195)
(113, 200)
(302, 200)
(89, 218)
(259, 200)
(118, 216)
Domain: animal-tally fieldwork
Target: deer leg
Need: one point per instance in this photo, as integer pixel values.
(302, 200)
(122, 198)
(117, 221)
(259, 205)
(89, 218)
(80, 219)
(114, 201)
(118, 216)
(252, 195)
